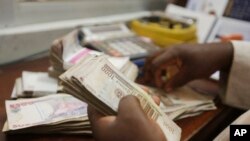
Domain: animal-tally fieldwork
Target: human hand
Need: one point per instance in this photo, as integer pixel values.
(130, 124)
(197, 61)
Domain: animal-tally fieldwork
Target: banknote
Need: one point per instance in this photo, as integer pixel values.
(38, 82)
(34, 84)
(67, 51)
(64, 128)
(101, 85)
(182, 102)
(51, 110)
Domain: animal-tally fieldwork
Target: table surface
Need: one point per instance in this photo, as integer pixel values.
(192, 128)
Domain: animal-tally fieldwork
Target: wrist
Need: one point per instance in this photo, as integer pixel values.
(228, 56)
(221, 55)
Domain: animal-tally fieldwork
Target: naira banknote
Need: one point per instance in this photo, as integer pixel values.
(48, 110)
(96, 81)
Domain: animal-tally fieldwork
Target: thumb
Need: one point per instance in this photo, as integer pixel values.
(130, 108)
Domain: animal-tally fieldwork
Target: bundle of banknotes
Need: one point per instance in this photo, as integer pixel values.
(97, 82)
(34, 84)
(183, 102)
(67, 51)
(59, 113)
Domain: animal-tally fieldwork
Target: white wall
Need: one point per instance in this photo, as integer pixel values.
(56, 10)
(20, 42)
(34, 25)
(6, 12)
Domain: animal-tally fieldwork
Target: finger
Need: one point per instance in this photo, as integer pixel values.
(157, 77)
(160, 65)
(147, 73)
(179, 79)
(169, 57)
(130, 108)
(156, 99)
(100, 124)
(93, 114)
(98, 119)
(146, 89)
(161, 72)
(150, 59)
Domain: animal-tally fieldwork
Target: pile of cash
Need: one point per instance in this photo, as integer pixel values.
(61, 51)
(67, 51)
(34, 84)
(96, 81)
(183, 102)
(60, 113)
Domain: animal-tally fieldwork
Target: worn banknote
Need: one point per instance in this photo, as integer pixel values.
(96, 81)
(49, 110)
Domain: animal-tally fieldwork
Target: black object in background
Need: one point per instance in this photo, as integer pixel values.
(239, 9)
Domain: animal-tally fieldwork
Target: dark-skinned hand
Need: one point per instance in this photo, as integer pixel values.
(196, 61)
(130, 123)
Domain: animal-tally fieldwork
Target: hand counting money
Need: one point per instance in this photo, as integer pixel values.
(96, 81)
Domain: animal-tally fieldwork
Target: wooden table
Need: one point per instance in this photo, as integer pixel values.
(202, 127)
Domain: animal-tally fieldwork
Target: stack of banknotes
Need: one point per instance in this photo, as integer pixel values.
(34, 84)
(59, 113)
(183, 102)
(62, 52)
(67, 51)
(96, 81)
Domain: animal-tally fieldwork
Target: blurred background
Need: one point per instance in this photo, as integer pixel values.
(28, 27)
